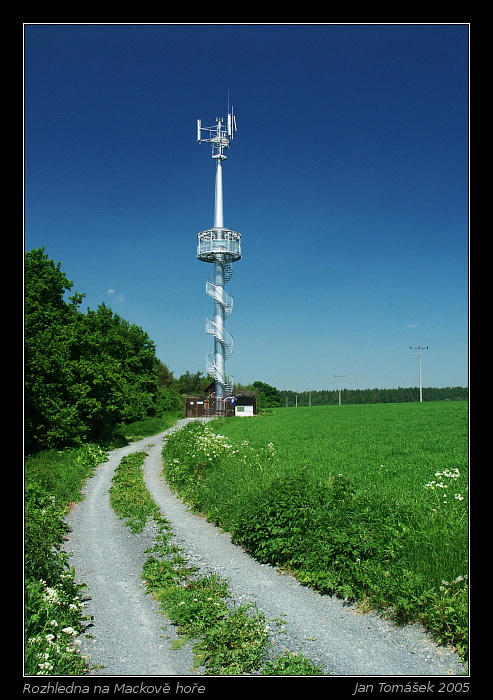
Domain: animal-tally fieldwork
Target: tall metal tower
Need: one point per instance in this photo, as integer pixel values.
(220, 246)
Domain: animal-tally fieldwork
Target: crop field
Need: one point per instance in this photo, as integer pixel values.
(388, 449)
(367, 502)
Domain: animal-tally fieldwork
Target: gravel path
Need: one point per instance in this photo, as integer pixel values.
(129, 637)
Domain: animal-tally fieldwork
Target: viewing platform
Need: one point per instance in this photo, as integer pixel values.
(219, 244)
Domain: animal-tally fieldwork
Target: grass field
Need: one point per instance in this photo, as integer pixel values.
(368, 502)
(385, 448)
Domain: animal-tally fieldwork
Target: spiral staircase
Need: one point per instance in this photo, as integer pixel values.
(225, 300)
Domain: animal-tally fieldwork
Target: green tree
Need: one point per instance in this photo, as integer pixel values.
(116, 361)
(165, 379)
(267, 396)
(168, 398)
(50, 333)
(84, 373)
(192, 384)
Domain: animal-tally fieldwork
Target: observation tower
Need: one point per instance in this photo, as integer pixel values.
(221, 247)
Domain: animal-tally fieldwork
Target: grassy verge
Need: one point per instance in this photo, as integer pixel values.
(228, 639)
(53, 606)
(399, 548)
(149, 426)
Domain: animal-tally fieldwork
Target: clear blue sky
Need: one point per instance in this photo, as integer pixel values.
(347, 178)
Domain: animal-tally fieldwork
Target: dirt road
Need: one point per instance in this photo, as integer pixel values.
(129, 635)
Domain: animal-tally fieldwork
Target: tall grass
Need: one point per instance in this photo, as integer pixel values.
(365, 502)
(53, 606)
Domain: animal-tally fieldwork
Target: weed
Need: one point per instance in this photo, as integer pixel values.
(291, 664)
(235, 644)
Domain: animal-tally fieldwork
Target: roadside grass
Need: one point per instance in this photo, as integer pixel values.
(149, 426)
(53, 606)
(129, 497)
(368, 503)
(228, 639)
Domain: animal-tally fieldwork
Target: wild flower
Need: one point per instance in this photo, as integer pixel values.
(436, 485)
(46, 666)
(51, 595)
(450, 473)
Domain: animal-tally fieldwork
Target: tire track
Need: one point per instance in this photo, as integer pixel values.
(332, 635)
(129, 636)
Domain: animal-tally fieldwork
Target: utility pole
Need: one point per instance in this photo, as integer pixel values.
(340, 388)
(419, 363)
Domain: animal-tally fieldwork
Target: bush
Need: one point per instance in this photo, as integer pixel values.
(275, 527)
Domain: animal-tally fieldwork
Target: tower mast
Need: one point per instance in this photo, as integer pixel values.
(221, 247)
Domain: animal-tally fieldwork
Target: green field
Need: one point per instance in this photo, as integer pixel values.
(368, 502)
(385, 448)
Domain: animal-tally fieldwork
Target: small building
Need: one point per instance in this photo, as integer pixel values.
(196, 407)
(244, 403)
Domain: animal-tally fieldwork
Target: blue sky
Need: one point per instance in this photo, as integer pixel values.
(347, 179)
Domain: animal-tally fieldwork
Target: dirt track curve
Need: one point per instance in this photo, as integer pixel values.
(130, 637)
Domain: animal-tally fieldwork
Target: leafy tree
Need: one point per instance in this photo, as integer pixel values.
(267, 396)
(192, 384)
(50, 333)
(117, 360)
(165, 379)
(84, 373)
(167, 398)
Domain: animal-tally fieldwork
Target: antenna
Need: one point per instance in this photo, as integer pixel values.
(419, 362)
(219, 136)
(231, 124)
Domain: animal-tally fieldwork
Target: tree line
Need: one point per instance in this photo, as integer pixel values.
(354, 396)
(89, 373)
